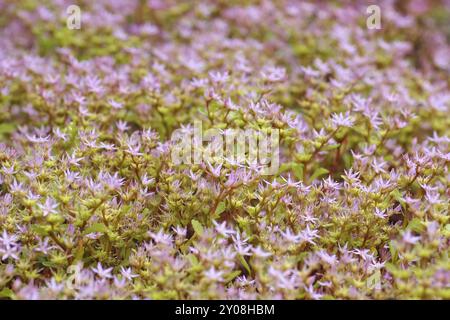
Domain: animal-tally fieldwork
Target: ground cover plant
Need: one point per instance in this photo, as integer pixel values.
(92, 205)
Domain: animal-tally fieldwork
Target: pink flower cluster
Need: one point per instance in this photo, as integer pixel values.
(93, 207)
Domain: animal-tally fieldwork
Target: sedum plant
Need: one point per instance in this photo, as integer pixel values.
(93, 207)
